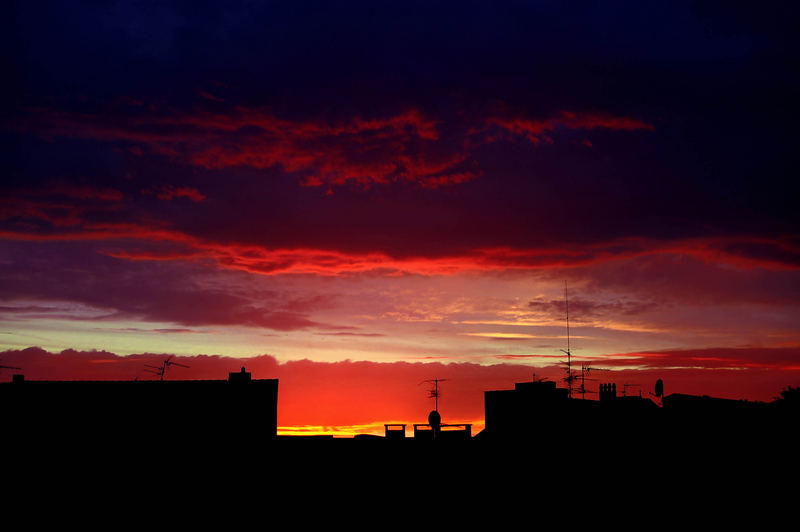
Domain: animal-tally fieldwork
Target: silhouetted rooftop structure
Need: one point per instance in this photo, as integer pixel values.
(203, 410)
(394, 431)
(540, 410)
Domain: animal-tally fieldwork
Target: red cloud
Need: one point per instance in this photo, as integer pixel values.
(537, 131)
(772, 358)
(61, 205)
(743, 252)
(403, 147)
(168, 192)
(362, 151)
(406, 147)
(88, 193)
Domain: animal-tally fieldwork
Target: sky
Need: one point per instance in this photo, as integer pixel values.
(355, 197)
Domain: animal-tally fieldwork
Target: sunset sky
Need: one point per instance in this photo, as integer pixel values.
(358, 196)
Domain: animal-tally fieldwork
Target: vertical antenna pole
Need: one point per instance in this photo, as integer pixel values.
(569, 354)
(566, 301)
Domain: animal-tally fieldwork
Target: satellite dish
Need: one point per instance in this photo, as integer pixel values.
(659, 388)
(434, 419)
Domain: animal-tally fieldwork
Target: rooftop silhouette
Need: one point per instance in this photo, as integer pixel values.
(243, 407)
(217, 433)
(210, 411)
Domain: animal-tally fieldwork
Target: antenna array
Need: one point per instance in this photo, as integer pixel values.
(434, 393)
(162, 369)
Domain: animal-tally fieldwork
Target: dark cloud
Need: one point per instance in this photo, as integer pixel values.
(168, 192)
(113, 289)
(682, 106)
(587, 310)
(675, 278)
(776, 358)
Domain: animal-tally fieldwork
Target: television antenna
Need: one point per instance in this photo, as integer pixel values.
(162, 369)
(434, 393)
(434, 418)
(571, 377)
(585, 370)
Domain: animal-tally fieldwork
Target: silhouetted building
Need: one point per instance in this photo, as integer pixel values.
(716, 416)
(203, 411)
(684, 404)
(541, 411)
(524, 410)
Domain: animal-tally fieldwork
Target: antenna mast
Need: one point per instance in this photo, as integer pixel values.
(162, 369)
(435, 392)
(570, 377)
(569, 353)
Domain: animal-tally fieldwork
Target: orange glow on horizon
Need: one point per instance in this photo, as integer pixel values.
(375, 429)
